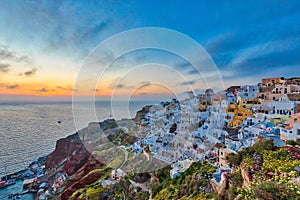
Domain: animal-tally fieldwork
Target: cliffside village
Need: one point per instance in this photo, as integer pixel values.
(210, 126)
(203, 127)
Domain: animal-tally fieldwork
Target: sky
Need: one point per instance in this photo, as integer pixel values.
(43, 45)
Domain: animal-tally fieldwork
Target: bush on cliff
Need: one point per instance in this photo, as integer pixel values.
(190, 184)
(258, 148)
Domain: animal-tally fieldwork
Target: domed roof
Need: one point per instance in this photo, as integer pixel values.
(209, 92)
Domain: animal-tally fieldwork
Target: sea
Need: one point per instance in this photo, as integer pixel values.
(30, 130)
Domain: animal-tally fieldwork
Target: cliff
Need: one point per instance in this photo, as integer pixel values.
(70, 153)
(85, 176)
(72, 157)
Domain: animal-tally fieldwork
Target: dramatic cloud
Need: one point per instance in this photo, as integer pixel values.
(4, 68)
(43, 90)
(76, 36)
(183, 65)
(193, 72)
(7, 86)
(12, 86)
(245, 55)
(31, 72)
(143, 93)
(70, 89)
(92, 31)
(187, 69)
(11, 55)
(120, 86)
(187, 83)
(244, 40)
(145, 83)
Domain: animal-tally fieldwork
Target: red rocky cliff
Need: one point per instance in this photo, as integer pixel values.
(72, 151)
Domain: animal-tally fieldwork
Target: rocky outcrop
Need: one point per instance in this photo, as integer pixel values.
(72, 156)
(140, 115)
(69, 152)
(246, 176)
(83, 177)
(223, 191)
(76, 161)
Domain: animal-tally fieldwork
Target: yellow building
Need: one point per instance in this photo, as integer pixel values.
(239, 114)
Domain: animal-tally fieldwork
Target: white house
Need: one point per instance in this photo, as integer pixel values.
(179, 167)
(118, 174)
(249, 91)
(284, 106)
